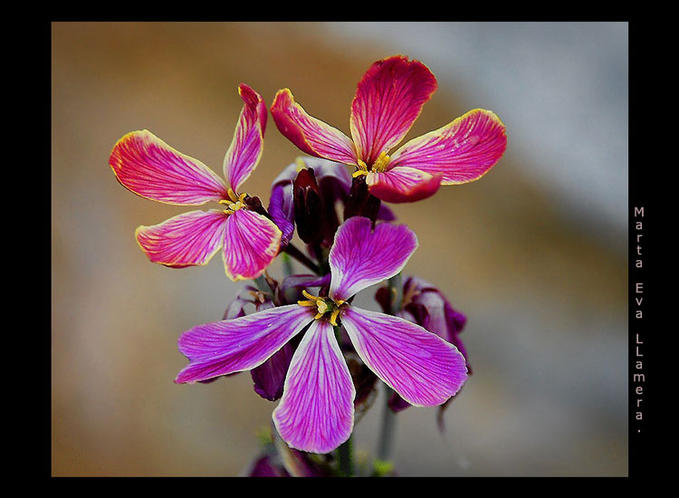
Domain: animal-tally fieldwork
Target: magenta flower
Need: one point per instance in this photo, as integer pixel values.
(150, 168)
(388, 100)
(316, 412)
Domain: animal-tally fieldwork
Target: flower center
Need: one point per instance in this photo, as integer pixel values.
(234, 202)
(379, 166)
(323, 306)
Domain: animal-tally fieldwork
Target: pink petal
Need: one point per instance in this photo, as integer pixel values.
(421, 367)
(185, 240)
(402, 184)
(316, 412)
(147, 166)
(461, 151)
(251, 242)
(388, 100)
(246, 147)
(311, 135)
(229, 346)
(361, 257)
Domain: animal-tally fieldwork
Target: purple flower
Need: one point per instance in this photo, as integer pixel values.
(316, 412)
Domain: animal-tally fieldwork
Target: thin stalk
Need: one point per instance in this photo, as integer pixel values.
(301, 257)
(262, 285)
(345, 456)
(287, 264)
(385, 443)
(397, 291)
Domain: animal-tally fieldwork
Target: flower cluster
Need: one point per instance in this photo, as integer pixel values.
(301, 337)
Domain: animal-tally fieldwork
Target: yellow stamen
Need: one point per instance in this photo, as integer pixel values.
(322, 307)
(381, 163)
(333, 317)
(359, 172)
(309, 296)
(234, 202)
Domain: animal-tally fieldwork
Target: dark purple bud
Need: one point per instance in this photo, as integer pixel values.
(360, 201)
(384, 298)
(254, 204)
(309, 209)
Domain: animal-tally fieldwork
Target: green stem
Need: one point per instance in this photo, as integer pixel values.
(345, 456)
(287, 264)
(395, 283)
(262, 284)
(385, 443)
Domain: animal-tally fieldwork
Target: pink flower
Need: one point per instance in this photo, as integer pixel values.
(316, 412)
(149, 167)
(388, 100)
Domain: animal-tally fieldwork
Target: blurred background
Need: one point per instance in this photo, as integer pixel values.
(534, 253)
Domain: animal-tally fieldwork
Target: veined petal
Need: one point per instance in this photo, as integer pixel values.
(328, 171)
(462, 151)
(187, 239)
(388, 100)
(323, 170)
(251, 242)
(246, 147)
(228, 346)
(420, 366)
(361, 257)
(316, 412)
(402, 184)
(311, 135)
(150, 168)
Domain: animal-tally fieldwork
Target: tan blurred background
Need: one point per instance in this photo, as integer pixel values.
(534, 253)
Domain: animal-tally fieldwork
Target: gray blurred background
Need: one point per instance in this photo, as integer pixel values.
(534, 253)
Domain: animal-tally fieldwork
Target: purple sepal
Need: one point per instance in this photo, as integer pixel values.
(265, 467)
(384, 213)
(282, 210)
(269, 377)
